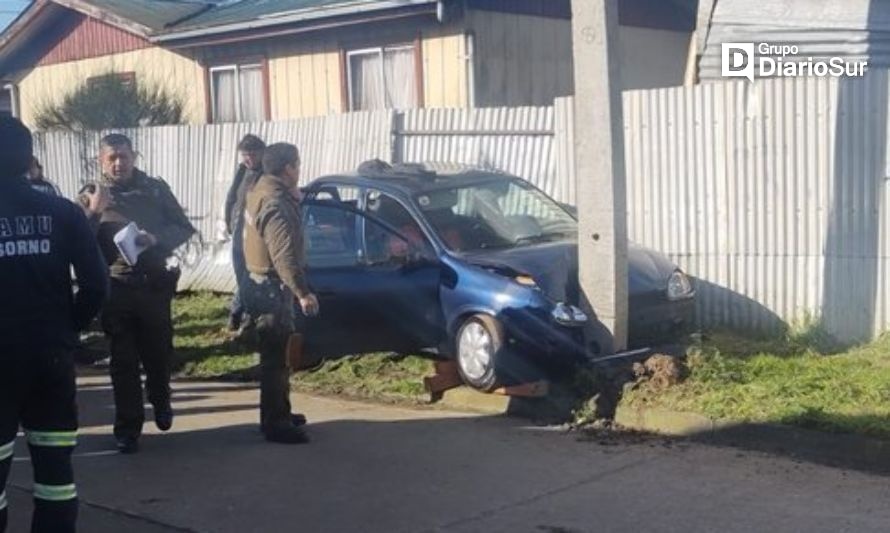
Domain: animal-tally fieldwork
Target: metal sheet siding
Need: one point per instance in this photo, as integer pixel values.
(519, 141)
(852, 29)
(92, 38)
(771, 194)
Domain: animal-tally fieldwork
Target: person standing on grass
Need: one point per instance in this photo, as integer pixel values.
(251, 168)
(273, 250)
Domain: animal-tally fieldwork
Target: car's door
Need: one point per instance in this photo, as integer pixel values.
(364, 298)
(415, 295)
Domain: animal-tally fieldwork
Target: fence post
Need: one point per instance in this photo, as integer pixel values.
(397, 127)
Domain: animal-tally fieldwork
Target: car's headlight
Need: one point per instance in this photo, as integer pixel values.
(679, 286)
(569, 315)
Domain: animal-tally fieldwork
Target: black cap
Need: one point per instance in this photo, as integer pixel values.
(16, 147)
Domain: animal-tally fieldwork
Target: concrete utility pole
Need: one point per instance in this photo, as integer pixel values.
(599, 162)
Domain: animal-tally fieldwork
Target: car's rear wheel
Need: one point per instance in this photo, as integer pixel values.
(479, 343)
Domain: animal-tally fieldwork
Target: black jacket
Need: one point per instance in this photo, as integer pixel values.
(41, 238)
(149, 203)
(45, 186)
(244, 179)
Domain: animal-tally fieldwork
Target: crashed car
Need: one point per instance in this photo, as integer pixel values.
(478, 267)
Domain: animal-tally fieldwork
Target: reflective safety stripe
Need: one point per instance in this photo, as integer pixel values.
(6, 451)
(52, 438)
(2, 500)
(55, 493)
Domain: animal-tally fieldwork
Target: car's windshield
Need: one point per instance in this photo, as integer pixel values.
(500, 213)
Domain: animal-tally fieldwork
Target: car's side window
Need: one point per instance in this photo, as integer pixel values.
(382, 245)
(330, 237)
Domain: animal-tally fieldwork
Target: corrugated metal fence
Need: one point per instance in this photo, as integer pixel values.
(771, 193)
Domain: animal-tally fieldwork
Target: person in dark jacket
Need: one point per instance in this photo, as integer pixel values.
(273, 250)
(38, 180)
(42, 238)
(137, 318)
(251, 168)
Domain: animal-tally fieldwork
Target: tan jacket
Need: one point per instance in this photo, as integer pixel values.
(273, 234)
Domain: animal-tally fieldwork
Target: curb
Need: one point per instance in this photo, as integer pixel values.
(467, 399)
(832, 449)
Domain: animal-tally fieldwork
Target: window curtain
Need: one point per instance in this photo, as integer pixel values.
(224, 94)
(367, 81)
(401, 78)
(252, 98)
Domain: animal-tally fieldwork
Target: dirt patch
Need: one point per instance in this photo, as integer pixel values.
(660, 372)
(609, 434)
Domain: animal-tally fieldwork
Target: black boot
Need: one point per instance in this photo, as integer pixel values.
(127, 445)
(286, 434)
(164, 417)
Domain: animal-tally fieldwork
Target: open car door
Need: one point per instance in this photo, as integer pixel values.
(376, 291)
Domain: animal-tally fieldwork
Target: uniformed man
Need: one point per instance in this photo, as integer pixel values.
(273, 249)
(137, 318)
(38, 180)
(41, 238)
(251, 168)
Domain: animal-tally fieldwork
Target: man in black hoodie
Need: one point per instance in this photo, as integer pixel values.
(251, 150)
(42, 238)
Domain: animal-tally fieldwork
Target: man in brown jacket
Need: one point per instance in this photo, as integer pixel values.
(273, 250)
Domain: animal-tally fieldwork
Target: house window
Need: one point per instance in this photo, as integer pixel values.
(8, 101)
(383, 78)
(237, 93)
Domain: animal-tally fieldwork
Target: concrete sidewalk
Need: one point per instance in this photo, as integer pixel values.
(376, 468)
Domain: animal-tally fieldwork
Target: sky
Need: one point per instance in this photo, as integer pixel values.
(9, 9)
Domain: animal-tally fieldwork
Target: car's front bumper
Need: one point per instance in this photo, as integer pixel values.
(653, 321)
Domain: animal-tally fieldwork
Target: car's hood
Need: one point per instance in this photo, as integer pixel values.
(554, 266)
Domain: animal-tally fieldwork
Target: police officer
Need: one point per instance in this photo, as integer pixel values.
(251, 168)
(41, 238)
(273, 249)
(137, 318)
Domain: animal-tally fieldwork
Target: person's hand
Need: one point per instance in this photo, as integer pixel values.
(146, 239)
(309, 304)
(96, 200)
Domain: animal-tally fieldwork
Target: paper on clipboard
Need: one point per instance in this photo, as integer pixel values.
(125, 240)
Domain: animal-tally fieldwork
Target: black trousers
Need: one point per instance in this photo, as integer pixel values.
(271, 304)
(37, 392)
(139, 326)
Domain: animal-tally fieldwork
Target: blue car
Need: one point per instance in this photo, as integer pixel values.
(474, 266)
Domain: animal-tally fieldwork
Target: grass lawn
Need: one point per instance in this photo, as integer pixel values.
(204, 351)
(787, 381)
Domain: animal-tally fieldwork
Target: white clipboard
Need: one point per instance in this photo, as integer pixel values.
(125, 240)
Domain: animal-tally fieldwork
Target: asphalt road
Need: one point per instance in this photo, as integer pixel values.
(375, 468)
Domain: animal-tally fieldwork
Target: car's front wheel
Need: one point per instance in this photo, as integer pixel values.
(479, 343)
